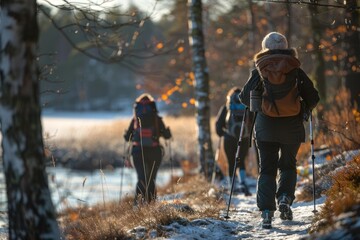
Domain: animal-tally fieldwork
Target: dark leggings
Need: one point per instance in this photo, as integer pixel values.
(274, 156)
(146, 175)
(230, 147)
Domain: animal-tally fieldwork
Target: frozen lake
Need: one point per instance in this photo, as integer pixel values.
(89, 116)
(74, 188)
(77, 188)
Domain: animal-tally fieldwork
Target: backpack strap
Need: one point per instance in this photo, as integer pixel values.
(136, 122)
(270, 97)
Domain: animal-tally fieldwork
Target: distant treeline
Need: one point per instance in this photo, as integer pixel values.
(323, 34)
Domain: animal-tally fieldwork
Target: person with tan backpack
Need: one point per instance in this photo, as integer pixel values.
(282, 95)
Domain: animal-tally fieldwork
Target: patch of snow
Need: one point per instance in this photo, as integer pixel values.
(245, 222)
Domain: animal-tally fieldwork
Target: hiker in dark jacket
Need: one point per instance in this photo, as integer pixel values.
(146, 127)
(279, 128)
(228, 125)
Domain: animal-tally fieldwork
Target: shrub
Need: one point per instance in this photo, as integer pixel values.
(339, 127)
(341, 197)
(336, 126)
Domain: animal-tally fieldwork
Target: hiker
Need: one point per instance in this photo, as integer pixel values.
(146, 127)
(228, 125)
(287, 96)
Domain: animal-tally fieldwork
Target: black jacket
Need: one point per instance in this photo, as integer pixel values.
(281, 129)
(163, 131)
(221, 125)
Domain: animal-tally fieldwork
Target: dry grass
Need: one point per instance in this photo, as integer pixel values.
(196, 191)
(339, 127)
(341, 197)
(184, 139)
(101, 147)
(104, 147)
(336, 126)
(323, 180)
(116, 220)
(106, 144)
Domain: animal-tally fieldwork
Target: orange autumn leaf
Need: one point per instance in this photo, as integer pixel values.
(159, 45)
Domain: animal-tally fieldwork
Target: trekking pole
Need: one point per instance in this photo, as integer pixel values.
(216, 160)
(313, 159)
(125, 157)
(122, 170)
(237, 158)
(171, 168)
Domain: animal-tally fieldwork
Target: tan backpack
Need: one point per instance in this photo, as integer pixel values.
(281, 97)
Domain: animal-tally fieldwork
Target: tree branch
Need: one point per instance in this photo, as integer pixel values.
(306, 3)
(102, 45)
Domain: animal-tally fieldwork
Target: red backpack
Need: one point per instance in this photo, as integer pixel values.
(146, 126)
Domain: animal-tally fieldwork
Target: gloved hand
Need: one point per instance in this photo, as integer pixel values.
(305, 111)
(220, 132)
(127, 136)
(166, 133)
(128, 163)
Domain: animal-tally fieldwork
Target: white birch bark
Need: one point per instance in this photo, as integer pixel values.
(30, 209)
(202, 104)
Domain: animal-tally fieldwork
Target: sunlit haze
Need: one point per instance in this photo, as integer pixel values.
(148, 6)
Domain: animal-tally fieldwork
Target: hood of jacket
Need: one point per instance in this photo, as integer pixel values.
(275, 64)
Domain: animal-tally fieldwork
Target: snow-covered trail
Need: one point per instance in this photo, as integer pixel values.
(248, 218)
(245, 222)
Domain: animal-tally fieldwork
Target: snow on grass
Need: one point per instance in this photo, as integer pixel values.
(245, 222)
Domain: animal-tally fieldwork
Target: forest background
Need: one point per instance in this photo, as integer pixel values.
(167, 58)
(322, 34)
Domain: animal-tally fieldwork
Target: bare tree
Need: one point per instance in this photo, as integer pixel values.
(31, 212)
(197, 43)
(30, 209)
(289, 25)
(110, 35)
(252, 27)
(352, 47)
(317, 54)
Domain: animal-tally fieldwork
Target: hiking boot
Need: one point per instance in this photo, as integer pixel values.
(237, 190)
(225, 183)
(237, 187)
(284, 208)
(267, 218)
(286, 215)
(244, 188)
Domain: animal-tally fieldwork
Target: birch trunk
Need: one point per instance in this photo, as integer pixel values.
(30, 209)
(196, 39)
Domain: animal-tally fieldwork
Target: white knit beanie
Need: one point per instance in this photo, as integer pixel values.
(274, 40)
